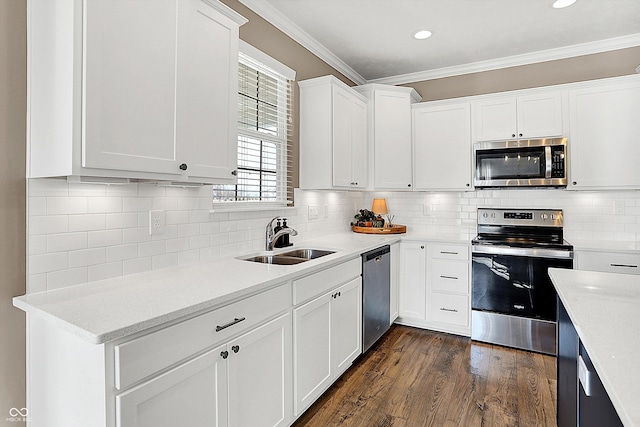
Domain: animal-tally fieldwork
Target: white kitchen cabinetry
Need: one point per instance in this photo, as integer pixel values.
(395, 283)
(610, 262)
(413, 278)
(215, 387)
(390, 135)
(197, 371)
(604, 147)
(333, 135)
(327, 330)
(442, 146)
(109, 100)
(435, 287)
(522, 117)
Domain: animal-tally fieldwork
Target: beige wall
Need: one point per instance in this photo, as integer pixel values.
(588, 67)
(13, 98)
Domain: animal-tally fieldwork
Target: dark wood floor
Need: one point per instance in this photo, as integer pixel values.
(414, 378)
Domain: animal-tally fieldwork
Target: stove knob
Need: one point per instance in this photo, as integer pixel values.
(485, 215)
(493, 215)
(544, 216)
(553, 217)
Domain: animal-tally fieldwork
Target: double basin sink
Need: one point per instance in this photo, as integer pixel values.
(289, 258)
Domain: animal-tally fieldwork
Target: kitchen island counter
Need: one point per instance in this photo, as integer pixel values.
(605, 310)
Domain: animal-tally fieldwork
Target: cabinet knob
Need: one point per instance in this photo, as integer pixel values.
(234, 173)
(183, 167)
(235, 348)
(355, 183)
(467, 184)
(421, 247)
(574, 183)
(513, 135)
(520, 134)
(408, 185)
(224, 354)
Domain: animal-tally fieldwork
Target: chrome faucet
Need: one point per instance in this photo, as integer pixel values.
(271, 237)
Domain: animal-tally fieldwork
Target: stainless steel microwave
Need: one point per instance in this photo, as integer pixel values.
(523, 163)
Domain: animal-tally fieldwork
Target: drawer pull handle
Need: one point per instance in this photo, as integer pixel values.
(224, 354)
(449, 277)
(233, 322)
(624, 265)
(448, 253)
(235, 348)
(453, 310)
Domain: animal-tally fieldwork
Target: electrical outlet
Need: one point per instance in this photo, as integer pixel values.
(313, 212)
(427, 209)
(156, 222)
(618, 207)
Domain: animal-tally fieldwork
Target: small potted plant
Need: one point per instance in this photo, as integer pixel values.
(364, 218)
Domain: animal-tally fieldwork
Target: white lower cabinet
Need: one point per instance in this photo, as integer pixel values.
(214, 388)
(435, 291)
(327, 339)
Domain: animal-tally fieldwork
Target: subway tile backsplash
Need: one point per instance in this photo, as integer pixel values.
(86, 232)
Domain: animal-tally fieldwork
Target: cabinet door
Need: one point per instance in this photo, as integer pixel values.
(495, 119)
(346, 325)
(129, 92)
(604, 146)
(312, 351)
(207, 91)
(540, 115)
(193, 394)
(392, 143)
(442, 147)
(341, 138)
(359, 143)
(260, 376)
(413, 274)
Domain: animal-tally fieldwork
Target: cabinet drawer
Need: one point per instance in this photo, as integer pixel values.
(608, 262)
(448, 308)
(320, 282)
(450, 276)
(141, 357)
(454, 252)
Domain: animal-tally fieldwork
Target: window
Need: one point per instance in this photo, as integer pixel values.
(264, 132)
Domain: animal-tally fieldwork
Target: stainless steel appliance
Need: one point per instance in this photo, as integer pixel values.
(528, 163)
(513, 300)
(376, 280)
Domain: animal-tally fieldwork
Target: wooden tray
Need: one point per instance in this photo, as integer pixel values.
(396, 229)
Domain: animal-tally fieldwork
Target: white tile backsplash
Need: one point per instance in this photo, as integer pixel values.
(79, 232)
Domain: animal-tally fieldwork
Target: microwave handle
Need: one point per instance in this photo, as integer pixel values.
(548, 163)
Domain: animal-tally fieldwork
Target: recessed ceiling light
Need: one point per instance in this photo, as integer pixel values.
(559, 4)
(422, 34)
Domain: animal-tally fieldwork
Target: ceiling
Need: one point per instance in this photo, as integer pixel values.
(373, 38)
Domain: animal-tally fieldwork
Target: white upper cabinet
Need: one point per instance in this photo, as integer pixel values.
(390, 135)
(333, 135)
(442, 146)
(526, 117)
(604, 146)
(110, 100)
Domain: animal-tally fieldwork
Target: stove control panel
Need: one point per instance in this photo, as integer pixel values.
(521, 217)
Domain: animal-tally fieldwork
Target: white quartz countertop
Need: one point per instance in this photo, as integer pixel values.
(605, 310)
(111, 309)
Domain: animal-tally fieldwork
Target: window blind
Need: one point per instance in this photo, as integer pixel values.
(264, 134)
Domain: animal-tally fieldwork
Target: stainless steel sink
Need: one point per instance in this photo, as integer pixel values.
(289, 258)
(306, 253)
(273, 259)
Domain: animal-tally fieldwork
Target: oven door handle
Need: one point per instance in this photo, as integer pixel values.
(531, 252)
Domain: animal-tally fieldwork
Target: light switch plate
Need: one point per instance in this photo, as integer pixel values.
(313, 212)
(618, 207)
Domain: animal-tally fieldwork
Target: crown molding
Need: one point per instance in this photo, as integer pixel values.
(284, 24)
(517, 60)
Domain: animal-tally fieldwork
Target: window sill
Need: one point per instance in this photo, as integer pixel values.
(249, 206)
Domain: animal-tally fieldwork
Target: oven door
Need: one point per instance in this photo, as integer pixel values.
(515, 285)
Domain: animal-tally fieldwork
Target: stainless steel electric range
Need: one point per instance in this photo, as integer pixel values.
(514, 301)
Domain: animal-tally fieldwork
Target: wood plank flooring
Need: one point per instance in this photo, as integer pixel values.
(415, 378)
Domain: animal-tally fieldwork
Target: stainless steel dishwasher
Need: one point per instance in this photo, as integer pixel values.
(376, 278)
